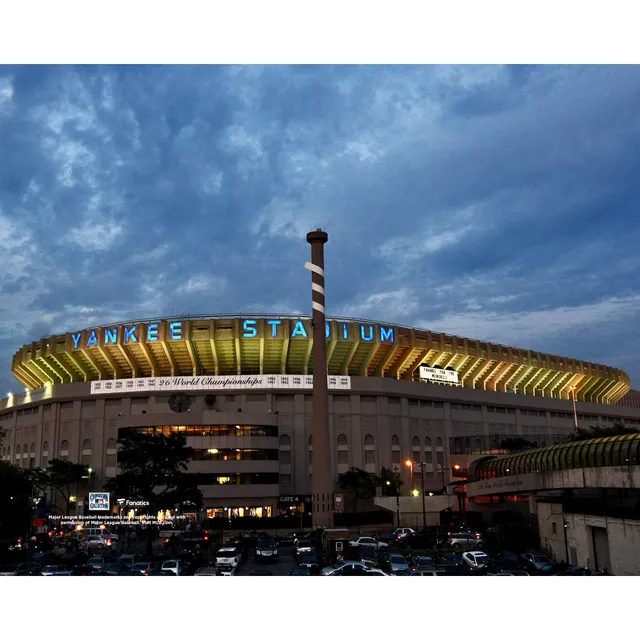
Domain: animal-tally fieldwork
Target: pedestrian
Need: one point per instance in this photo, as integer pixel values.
(134, 540)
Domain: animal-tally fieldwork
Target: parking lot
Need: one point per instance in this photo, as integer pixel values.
(282, 567)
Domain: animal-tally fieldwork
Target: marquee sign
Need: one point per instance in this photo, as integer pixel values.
(215, 383)
(176, 331)
(438, 375)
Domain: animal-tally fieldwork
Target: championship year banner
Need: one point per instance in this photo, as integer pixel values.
(215, 383)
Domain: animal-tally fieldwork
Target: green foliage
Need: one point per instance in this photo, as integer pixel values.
(617, 429)
(360, 483)
(64, 477)
(390, 482)
(152, 467)
(517, 444)
(15, 500)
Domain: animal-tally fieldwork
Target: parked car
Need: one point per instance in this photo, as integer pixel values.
(240, 544)
(536, 560)
(369, 555)
(398, 563)
(73, 559)
(309, 560)
(514, 572)
(403, 532)
(226, 570)
(207, 570)
(112, 568)
(83, 570)
(429, 572)
(101, 531)
(146, 567)
(290, 538)
(129, 559)
(161, 572)
(178, 567)
(229, 556)
(375, 571)
(129, 572)
(465, 541)
(579, 571)
(349, 567)
(29, 572)
(475, 559)
(251, 538)
(419, 541)
(267, 550)
(99, 561)
(300, 570)
(53, 569)
(387, 536)
(367, 541)
(553, 569)
(304, 545)
(423, 563)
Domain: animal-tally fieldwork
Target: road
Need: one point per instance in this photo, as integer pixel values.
(282, 567)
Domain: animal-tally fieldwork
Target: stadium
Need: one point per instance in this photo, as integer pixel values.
(240, 388)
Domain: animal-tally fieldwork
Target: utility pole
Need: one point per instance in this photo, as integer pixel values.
(322, 479)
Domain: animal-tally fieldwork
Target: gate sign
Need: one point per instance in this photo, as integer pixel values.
(98, 502)
(438, 375)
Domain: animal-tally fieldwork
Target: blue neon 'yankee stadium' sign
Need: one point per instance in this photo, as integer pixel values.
(150, 332)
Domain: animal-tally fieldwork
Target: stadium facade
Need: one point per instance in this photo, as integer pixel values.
(240, 388)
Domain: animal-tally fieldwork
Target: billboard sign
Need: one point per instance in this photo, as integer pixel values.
(438, 375)
(98, 502)
(215, 383)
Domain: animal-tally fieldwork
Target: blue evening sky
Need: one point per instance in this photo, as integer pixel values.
(497, 203)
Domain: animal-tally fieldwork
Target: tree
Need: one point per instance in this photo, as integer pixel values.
(64, 477)
(390, 482)
(513, 445)
(153, 468)
(360, 483)
(617, 429)
(15, 500)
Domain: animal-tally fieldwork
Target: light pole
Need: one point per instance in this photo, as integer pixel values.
(424, 505)
(414, 492)
(409, 464)
(575, 412)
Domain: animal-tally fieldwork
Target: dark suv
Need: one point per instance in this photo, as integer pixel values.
(267, 550)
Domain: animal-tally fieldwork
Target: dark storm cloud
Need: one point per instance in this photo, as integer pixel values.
(493, 202)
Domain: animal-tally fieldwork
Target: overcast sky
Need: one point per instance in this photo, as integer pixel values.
(498, 203)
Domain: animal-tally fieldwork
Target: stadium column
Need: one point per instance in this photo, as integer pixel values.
(322, 480)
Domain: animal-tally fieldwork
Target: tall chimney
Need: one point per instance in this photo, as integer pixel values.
(322, 480)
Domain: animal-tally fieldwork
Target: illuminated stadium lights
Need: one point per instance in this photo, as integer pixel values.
(221, 345)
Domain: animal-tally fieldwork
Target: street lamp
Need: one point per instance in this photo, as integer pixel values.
(575, 412)
(415, 493)
(409, 464)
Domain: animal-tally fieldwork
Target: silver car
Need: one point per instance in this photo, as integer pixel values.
(465, 541)
(398, 563)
